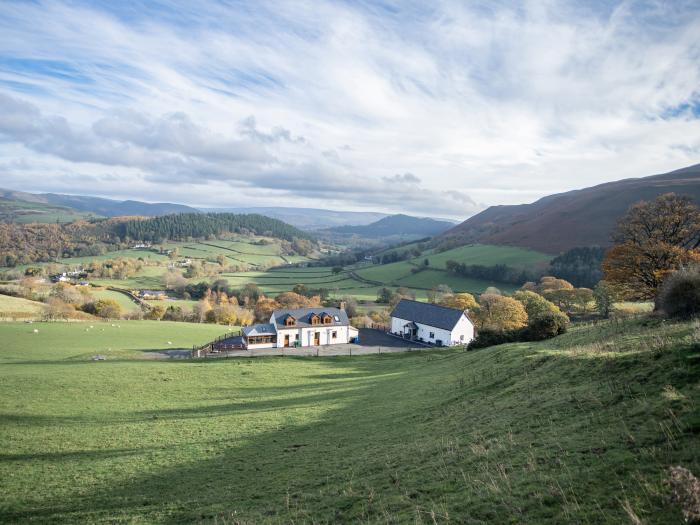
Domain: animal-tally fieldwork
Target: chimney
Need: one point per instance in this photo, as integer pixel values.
(342, 305)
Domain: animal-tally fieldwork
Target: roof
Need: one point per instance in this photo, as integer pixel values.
(259, 329)
(302, 315)
(427, 314)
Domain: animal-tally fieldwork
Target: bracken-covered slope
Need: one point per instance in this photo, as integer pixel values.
(563, 221)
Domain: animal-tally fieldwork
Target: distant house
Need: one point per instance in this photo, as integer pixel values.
(301, 327)
(152, 294)
(430, 323)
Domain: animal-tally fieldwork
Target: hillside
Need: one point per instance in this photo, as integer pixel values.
(563, 221)
(579, 429)
(307, 218)
(24, 212)
(396, 226)
(97, 205)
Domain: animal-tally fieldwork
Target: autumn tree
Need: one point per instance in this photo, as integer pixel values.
(438, 293)
(605, 295)
(500, 313)
(652, 240)
(461, 301)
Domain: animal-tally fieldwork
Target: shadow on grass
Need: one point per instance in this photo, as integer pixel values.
(372, 456)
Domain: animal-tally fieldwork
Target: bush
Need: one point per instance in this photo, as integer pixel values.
(488, 337)
(679, 295)
(105, 308)
(546, 326)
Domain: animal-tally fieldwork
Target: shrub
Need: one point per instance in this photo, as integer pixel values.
(545, 326)
(679, 295)
(105, 308)
(488, 337)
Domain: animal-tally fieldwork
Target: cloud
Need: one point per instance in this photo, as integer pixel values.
(325, 103)
(406, 178)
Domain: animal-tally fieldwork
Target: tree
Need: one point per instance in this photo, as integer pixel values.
(461, 301)
(337, 269)
(438, 293)
(652, 240)
(500, 313)
(105, 308)
(264, 308)
(605, 295)
(155, 313)
(56, 309)
(535, 305)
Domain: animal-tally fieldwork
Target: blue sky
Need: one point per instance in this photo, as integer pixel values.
(432, 108)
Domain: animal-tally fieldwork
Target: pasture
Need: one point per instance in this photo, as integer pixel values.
(19, 308)
(578, 429)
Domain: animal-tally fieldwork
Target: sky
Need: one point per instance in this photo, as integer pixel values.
(437, 108)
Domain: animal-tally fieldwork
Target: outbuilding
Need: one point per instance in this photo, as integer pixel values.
(431, 323)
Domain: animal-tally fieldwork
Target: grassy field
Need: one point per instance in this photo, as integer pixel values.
(26, 212)
(16, 307)
(127, 304)
(488, 255)
(579, 429)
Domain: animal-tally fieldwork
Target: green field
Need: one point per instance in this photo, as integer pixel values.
(488, 255)
(579, 429)
(16, 307)
(26, 212)
(127, 304)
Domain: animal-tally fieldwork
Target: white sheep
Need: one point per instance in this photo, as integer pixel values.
(36, 331)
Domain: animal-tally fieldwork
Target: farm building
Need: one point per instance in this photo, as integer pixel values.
(300, 327)
(430, 323)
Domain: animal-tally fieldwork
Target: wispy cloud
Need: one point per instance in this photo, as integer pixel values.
(432, 108)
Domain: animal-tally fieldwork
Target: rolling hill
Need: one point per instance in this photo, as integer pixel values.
(308, 218)
(563, 221)
(396, 225)
(97, 205)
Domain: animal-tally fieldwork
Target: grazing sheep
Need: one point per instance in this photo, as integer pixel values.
(36, 331)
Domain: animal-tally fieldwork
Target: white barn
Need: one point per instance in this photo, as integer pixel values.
(431, 323)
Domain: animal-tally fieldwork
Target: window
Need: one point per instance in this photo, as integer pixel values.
(289, 321)
(461, 337)
(432, 335)
(334, 334)
(337, 319)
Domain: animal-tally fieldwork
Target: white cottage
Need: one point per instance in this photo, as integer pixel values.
(300, 327)
(431, 323)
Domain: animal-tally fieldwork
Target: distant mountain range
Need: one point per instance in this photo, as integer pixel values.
(563, 221)
(98, 205)
(308, 218)
(396, 225)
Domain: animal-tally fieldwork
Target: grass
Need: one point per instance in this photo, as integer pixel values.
(17, 307)
(579, 429)
(26, 212)
(488, 255)
(127, 304)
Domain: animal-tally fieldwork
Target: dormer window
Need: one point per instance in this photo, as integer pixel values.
(289, 321)
(315, 319)
(327, 319)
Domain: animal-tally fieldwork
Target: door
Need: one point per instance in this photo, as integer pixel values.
(286, 340)
(317, 338)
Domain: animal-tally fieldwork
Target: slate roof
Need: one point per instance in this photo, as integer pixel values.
(427, 314)
(259, 329)
(302, 316)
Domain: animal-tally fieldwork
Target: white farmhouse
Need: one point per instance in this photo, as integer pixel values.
(430, 323)
(300, 327)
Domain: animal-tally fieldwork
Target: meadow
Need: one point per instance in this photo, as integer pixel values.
(577, 429)
(264, 265)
